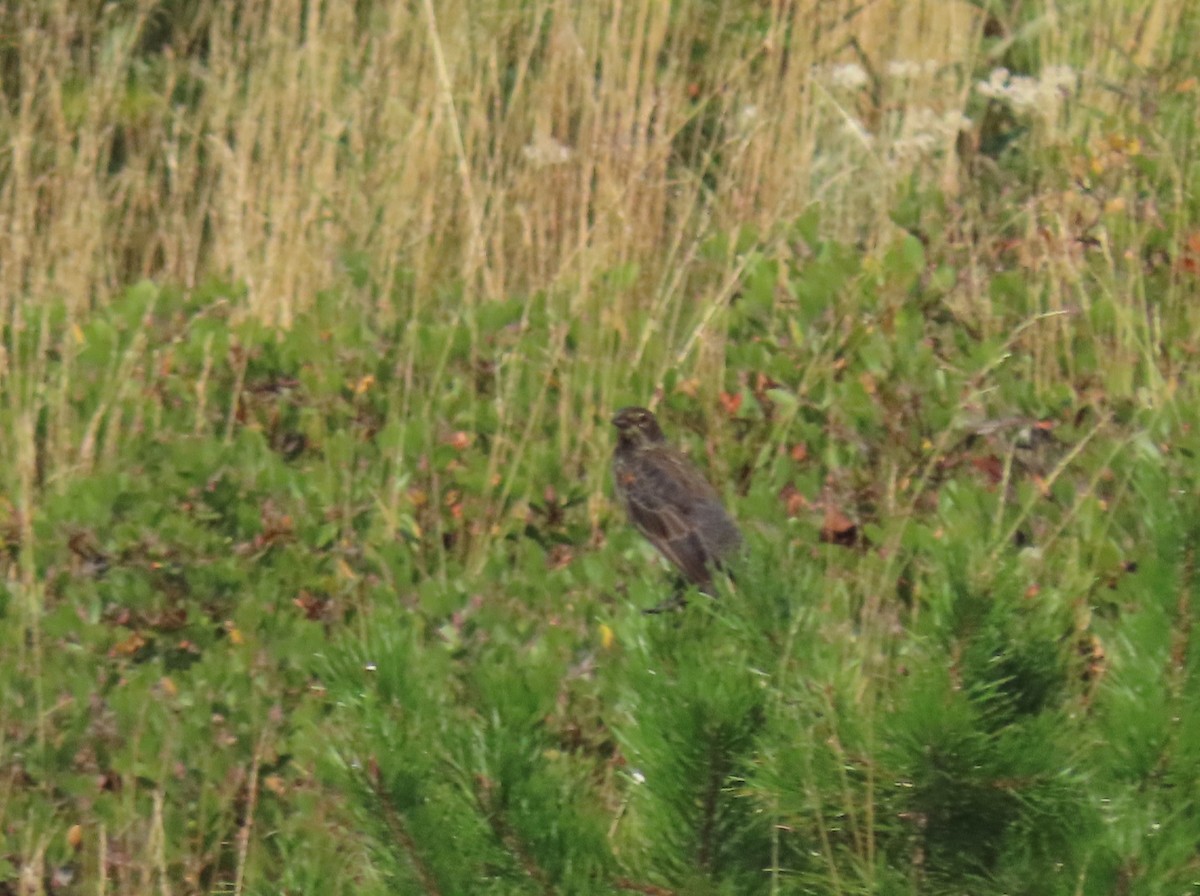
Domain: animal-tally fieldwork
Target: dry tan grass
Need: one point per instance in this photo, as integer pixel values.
(515, 150)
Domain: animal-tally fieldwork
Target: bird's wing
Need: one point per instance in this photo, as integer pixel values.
(679, 512)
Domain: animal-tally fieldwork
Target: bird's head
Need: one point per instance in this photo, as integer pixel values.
(636, 427)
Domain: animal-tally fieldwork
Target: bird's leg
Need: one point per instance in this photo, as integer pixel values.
(677, 601)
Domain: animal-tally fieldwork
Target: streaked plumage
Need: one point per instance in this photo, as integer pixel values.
(668, 499)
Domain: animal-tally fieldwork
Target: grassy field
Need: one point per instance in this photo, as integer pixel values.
(313, 319)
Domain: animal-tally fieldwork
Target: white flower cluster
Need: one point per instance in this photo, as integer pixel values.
(920, 133)
(544, 151)
(848, 76)
(911, 69)
(914, 134)
(852, 76)
(1042, 95)
(925, 131)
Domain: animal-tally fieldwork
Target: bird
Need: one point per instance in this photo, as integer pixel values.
(670, 502)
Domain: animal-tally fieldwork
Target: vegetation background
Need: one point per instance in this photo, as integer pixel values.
(313, 318)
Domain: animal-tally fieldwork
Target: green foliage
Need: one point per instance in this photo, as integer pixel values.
(278, 585)
(690, 712)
